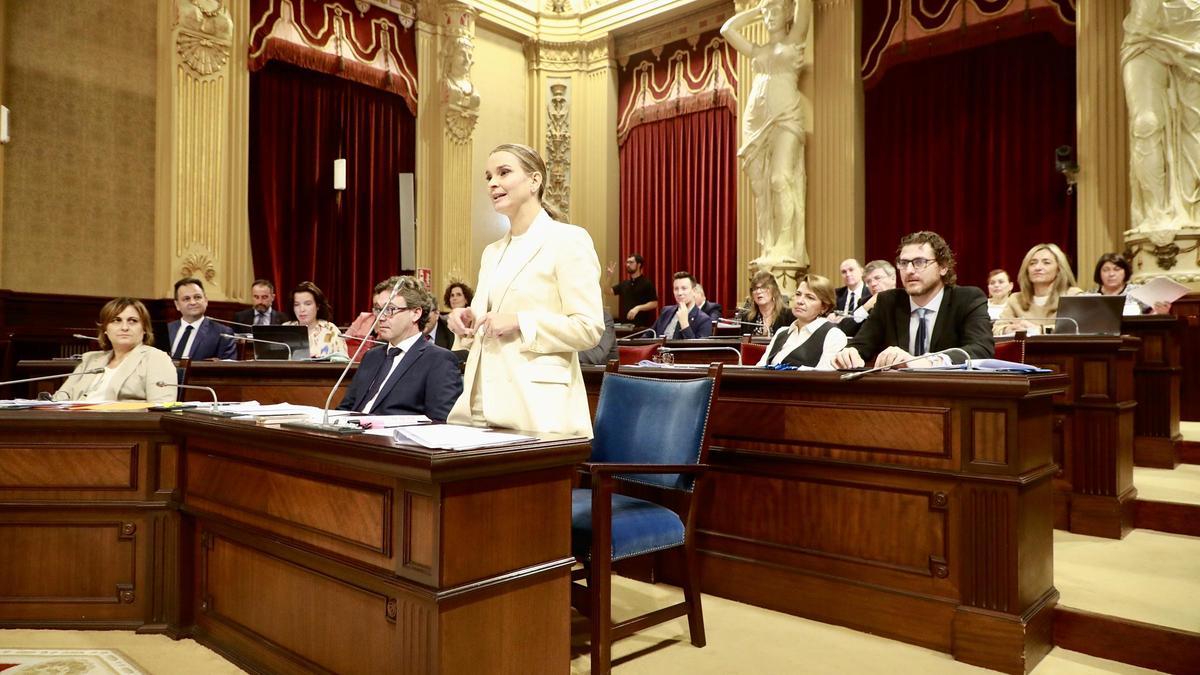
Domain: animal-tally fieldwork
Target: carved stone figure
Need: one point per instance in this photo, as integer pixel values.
(458, 92)
(1160, 60)
(772, 152)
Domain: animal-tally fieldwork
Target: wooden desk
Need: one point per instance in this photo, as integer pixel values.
(1156, 382)
(89, 526)
(915, 506)
(1093, 430)
(289, 551)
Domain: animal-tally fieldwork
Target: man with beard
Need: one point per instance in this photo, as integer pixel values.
(930, 314)
(638, 297)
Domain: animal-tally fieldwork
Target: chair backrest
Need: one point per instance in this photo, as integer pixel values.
(1011, 350)
(752, 352)
(630, 355)
(642, 420)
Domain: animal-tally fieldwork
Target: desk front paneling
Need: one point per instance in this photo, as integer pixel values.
(88, 529)
(316, 552)
(916, 506)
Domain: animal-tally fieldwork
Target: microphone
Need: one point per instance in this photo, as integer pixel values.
(737, 322)
(644, 330)
(228, 322)
(244, 338)
(324, 425)
(81, 336)
(849, 377)
(210, 390)
(93, 371)
(1041, 318)
(735, 350)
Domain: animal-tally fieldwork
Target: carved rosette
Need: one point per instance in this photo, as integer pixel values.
(199, 264)
(558, 148)
(460, 100)
(203, 35)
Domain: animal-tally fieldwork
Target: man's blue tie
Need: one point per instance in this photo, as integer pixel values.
(922, 331)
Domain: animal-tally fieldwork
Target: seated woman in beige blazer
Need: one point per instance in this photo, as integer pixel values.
(536, 306)
(1045, 276)
(132, 366)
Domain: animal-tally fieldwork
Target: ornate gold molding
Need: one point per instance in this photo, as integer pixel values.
(459, 98)
(203, 35)
(558, 147)
(691, 26)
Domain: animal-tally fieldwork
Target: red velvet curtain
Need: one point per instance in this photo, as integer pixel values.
(964, 145)
(300, 227)
(678, 201)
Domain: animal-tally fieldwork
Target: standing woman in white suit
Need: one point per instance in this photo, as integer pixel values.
(537, 304)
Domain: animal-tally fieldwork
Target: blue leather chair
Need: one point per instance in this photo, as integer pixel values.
(653, 432)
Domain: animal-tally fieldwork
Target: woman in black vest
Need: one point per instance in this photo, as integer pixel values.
(810, 341)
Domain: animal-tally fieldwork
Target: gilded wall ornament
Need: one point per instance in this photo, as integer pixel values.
(558, 148)
(459, 97)
(198, 265)
(203, 35)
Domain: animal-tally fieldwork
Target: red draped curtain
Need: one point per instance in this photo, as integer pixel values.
(963, 144)
(678, 198)
(300, 227)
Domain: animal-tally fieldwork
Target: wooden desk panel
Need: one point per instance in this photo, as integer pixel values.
(937, 532)
(1094, 428)
(1157, 375)
(88, 525)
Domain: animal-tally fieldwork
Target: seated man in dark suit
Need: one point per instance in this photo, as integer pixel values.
(263, 313)
(879, 276)
(930, 314)
(689, 323)
(193, 336)
(712, 309)
(410, 375)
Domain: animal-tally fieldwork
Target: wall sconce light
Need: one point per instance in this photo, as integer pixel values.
(339, 174)
(3, 124)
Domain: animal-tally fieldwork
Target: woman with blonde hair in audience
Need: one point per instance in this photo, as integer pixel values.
(999, 287)
(132, 366)
(536, 306)
(1045, 276)
(766, 306)
(810, 341)
(312, 311)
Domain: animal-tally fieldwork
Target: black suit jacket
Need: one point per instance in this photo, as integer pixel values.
(275, 318)
(713, 310)
(962, 321)
(427, 382)
(858, 299)
(208, 342)
(442, 337)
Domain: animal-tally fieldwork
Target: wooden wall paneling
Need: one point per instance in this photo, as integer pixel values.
(1140, 644)
(1188, 308)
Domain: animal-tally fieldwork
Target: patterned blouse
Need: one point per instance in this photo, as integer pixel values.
(324, 339)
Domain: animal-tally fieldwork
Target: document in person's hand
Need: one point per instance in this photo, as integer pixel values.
(455, 437)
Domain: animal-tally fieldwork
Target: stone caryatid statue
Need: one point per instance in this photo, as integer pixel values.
(772, 152)
(1160, 61)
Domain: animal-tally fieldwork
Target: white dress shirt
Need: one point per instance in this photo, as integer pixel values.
(835, 341)
(931, 309)
(183, 325)
(404, 345)
(857, 292)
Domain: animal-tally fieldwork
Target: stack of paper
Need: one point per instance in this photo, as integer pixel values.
(455, 437)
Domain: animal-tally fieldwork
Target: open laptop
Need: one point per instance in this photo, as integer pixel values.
(295, 337)
(1094, 314)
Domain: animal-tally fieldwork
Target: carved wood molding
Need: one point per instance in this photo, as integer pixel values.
(203, 36)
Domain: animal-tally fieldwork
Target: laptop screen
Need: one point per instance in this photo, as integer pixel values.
(295, 337)
(1089, 314)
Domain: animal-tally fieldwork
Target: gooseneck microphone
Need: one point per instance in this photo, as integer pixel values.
(227, 322)
(324, 425)
(210, 390)
(81, 336)
(59, 376)
(849, 377)
(715, 348)
(243, 338)
(644, 330)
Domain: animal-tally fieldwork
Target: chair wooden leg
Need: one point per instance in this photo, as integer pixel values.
(691, 594)
(600, 579)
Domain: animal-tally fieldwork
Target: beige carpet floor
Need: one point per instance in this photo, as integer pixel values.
(1147, 576)
(1180, 485)
(1190, 431)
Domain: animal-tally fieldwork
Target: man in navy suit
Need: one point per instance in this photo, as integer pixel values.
(674, 324)
(193, 336)
(263, 313)
(410, 375)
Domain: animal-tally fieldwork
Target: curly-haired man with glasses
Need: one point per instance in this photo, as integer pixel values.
(409, 375)
(930, 314)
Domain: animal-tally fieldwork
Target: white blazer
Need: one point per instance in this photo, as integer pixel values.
(134, 379)
(550, 279)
